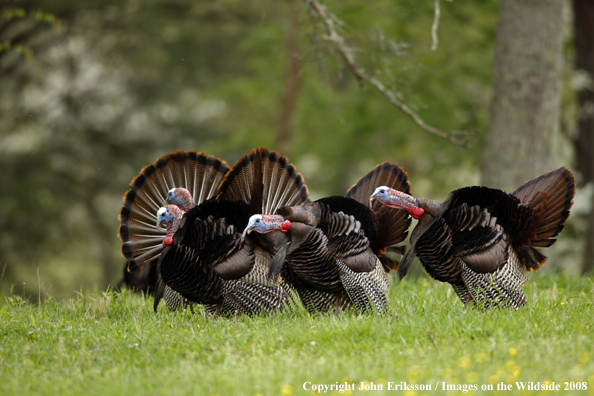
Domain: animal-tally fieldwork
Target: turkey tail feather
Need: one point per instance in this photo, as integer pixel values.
(392, 223)
(197, 172)
(257, 184)
(385, 174)
(266, 180)
(550, 195)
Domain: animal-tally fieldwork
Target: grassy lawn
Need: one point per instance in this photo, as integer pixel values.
(115, 344)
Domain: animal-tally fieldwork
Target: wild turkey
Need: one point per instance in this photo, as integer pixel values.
(210, 261)
(162, 180)
(338, 245)
(482, 240)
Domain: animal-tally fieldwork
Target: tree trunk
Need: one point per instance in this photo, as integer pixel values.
(292, 83)
(525, 108)
(584, 143)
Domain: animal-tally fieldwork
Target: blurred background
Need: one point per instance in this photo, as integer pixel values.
(92, 91)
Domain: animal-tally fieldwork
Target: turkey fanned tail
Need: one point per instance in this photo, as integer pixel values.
(550, 196)
(265, 179)
(199, 173)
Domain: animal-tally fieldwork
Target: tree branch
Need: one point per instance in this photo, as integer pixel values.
(461, 138)
(434, 27)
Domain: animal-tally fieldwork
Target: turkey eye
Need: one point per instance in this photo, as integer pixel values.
(257, 220)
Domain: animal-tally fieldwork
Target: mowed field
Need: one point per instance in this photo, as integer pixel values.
(114, 344)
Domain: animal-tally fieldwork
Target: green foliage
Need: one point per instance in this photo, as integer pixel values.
(11, 14)
(20, 13)
(115, 344)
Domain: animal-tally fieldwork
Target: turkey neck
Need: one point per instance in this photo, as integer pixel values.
(309, 213)
(433, 210)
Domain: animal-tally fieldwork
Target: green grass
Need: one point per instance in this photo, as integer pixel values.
(115, 344)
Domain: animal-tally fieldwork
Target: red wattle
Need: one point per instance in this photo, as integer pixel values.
(417, 212)
(285, 226)
(167, 241)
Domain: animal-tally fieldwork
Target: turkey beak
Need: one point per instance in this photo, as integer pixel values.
(161, 224)
(373, 198)
(247, 230)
